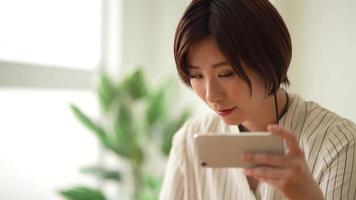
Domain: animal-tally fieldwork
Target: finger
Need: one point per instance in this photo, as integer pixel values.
(290, 139)
(267, 159)
(266, 173)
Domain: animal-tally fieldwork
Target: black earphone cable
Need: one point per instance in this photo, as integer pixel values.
(244, 129)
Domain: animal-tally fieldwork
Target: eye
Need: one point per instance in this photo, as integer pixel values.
(227, 74)
(195, 76)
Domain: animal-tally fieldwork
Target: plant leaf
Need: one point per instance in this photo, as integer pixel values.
(157, 108)
(135, 85)
(126, 132)
(171, 129)
(152, 182)
(91, 125)
(82, 193)
(107, 92)
(151, 188)
(102, 172)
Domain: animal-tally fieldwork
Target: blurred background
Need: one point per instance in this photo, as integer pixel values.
(52, 51)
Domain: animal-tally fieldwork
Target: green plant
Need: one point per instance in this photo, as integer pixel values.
(133, 115)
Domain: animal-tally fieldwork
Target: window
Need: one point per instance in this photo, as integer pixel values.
(49, 53)
(62, 33)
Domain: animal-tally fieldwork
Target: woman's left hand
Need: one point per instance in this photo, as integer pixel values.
(288, 173)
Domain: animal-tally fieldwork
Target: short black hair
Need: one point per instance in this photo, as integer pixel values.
(246, 31)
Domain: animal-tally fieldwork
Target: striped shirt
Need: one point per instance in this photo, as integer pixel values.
(327, 140)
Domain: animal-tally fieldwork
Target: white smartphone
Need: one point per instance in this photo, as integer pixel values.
(222, 151)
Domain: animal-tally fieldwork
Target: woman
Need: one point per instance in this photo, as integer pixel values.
(235, 54)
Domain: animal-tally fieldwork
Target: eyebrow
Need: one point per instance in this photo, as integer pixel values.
(216, 65)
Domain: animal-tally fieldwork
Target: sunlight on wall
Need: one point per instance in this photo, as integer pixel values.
(323, 63)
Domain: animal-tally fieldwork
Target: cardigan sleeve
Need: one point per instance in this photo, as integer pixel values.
(338, 179)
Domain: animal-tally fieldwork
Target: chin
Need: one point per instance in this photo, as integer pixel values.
(230, 121)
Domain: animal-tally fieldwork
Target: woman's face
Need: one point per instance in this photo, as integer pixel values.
(217, 84)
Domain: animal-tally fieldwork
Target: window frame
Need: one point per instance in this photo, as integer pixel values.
(17, 74)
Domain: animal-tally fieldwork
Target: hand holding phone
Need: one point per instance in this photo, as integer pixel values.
(223, 151)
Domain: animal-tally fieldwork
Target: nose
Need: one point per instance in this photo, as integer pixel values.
(213, 91)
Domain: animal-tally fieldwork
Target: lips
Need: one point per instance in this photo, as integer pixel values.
(225, 112)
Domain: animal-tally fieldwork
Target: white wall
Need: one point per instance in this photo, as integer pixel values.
(148, 34)
(323, 67)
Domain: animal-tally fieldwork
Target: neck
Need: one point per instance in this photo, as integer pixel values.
(267, 113)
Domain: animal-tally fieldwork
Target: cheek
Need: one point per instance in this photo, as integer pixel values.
(240, 94)
(259, 91)
(238, 89)
(257, 97)
(198, 88)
